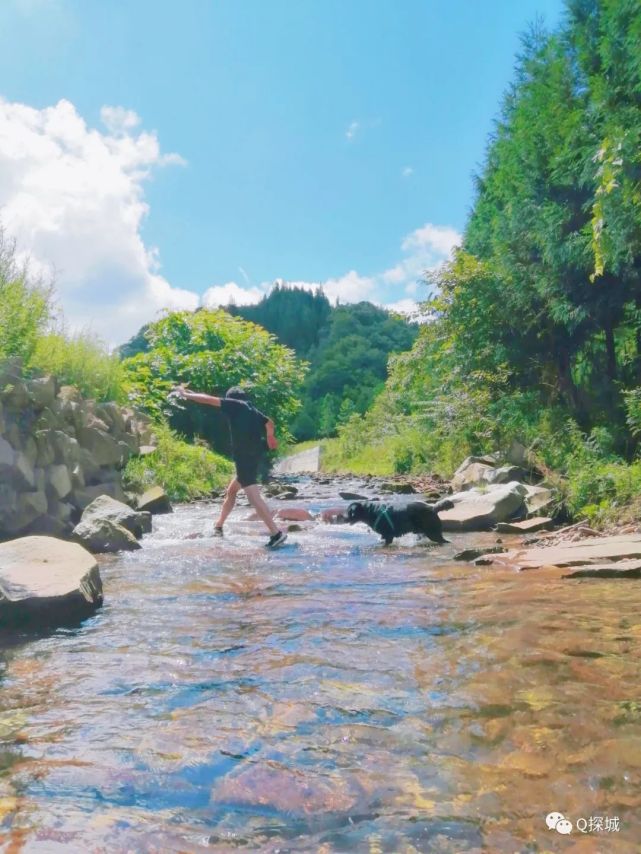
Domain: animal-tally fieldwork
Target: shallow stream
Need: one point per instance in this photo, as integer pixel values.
(330, 696)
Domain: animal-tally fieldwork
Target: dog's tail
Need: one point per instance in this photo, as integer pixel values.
(443, 504)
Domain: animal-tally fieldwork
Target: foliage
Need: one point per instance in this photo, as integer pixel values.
(347, 346)
(25, 305)
(184, 470)
(79, 360)
(535, 326)
(348, 367)
(296, 316)
(212, 351)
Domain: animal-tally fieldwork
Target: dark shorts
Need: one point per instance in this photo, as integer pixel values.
(249, 470)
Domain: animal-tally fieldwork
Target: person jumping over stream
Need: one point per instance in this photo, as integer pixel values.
(251, 434)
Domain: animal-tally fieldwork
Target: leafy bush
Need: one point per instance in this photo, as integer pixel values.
(212, 351)
(25, 305)
(185, 471)
(80, 360)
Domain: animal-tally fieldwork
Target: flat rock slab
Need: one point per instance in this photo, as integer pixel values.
(479, 510)
(622, 569)
(46, 579)
(528, 526)
(305, 461)
(592, 551)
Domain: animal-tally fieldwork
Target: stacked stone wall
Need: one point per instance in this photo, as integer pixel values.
(58, 452)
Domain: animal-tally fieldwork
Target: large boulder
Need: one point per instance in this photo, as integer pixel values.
(539, 500)
(471, 472)
(105, 507)
(103, 535)
(154, 500)
(481, 509)
(504, 474)
(44, 579)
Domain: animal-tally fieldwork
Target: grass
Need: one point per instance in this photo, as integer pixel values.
(185, 471)
(376, 460)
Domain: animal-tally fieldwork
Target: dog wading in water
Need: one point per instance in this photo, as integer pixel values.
(251, 434)
(389, 521)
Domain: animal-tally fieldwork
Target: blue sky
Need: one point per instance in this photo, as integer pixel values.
(328, 141)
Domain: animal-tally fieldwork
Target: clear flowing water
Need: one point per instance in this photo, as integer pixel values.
(331, 696)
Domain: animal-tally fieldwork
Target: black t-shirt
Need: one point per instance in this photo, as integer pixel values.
(246, 426)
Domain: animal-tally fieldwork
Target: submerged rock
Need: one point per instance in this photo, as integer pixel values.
(102, 535)
(473, 554)
(46, 579)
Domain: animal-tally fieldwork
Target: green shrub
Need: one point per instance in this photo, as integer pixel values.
(185, 471)
(25, 306)
(80, 360)
(212, 351)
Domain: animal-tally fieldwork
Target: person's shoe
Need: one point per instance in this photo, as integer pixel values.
(218, 531)
(276, 539)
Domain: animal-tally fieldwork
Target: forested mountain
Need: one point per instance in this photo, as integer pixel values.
(537, 319)
(295, 316)
(347, 347)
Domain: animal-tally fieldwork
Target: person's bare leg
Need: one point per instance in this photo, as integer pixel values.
(229, 502)
(258, 503)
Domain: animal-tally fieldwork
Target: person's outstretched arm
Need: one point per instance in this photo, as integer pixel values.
(196, 396)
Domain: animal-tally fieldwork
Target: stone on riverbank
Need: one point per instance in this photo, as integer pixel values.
(46, 579)
(399, 487)
(591, 551)
(105, 507)
(154, 500)
(622, 569)
(58, 452)
(528, 526)
(480, 509)
(102, 535)
(471, 472)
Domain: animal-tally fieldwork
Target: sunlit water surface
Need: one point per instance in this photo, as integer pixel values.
(330, 696)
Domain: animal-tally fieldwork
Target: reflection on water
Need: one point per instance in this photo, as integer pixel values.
(331, 696)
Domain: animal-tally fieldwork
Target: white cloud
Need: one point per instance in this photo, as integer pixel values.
(407, 171)
(425, 249)
(352, 130)
(351, 287)
(72, 197)
(119, 120)
(403, 306)
(439, 239)
(231, 293)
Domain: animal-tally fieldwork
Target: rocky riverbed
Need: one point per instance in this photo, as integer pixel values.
(333, 695)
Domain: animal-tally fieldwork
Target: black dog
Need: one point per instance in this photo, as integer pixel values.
(389, 521)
